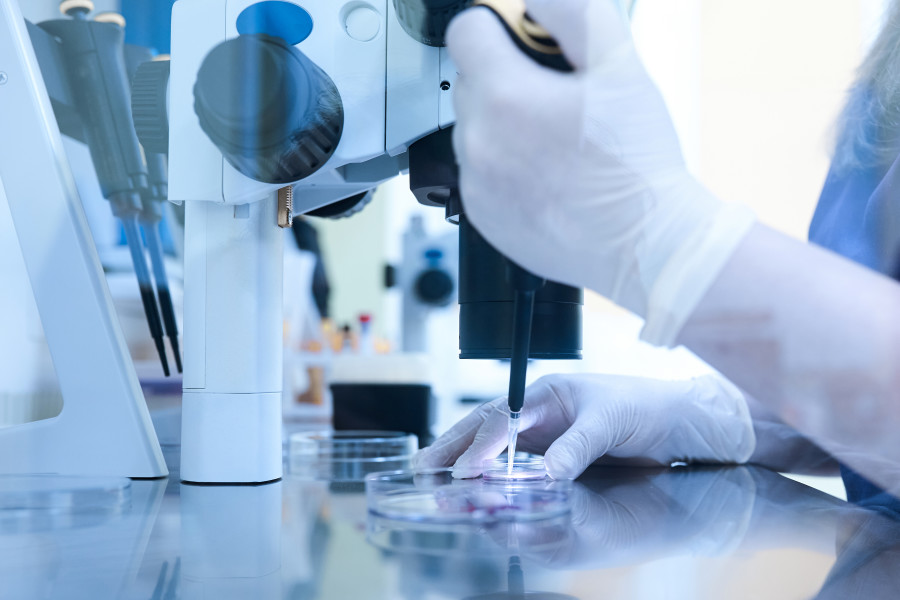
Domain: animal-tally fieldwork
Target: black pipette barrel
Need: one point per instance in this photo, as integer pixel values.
(145, 285)
(526, 285)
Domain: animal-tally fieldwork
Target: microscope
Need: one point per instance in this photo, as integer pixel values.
(277, 108)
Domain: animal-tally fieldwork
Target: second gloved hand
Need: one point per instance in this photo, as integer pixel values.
(573, 420)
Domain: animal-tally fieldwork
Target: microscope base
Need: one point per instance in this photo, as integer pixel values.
(230, 438)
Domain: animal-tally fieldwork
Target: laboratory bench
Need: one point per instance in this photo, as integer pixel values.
(687, 532)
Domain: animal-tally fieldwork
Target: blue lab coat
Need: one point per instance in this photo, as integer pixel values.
(853, 218)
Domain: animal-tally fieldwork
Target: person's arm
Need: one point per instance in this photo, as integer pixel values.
(782, 448)
(815, 338)
(579, 178)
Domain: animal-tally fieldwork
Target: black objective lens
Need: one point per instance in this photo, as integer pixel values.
(274, 114)
(486, 306)
(486, 291)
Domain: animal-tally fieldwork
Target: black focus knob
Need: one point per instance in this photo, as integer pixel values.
(434, 286)
(149, 89)
(426, 20)
(274, 114)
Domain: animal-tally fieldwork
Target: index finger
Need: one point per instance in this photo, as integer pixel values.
(452, 444)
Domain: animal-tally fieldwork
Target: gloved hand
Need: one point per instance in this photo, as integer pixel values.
(574, 420)
(579, 176)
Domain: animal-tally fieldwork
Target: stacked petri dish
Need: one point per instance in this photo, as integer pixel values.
(349, 456)
(524, 467)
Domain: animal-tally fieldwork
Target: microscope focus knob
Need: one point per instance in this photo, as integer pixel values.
(426, 21)
(273, 113)
(435, 287)
(149, 110)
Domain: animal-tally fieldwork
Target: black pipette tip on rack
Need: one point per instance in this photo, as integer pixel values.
(155, 329)
(165, 302)
(161, 349)
(177, 353)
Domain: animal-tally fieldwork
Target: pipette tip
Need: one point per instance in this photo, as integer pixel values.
(513, 433)
(161, 349)
(176, 352)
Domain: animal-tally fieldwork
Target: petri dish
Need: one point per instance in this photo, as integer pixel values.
(32, 503)
(434, 496)
(349, 455)
(525, 468)
(54, 492)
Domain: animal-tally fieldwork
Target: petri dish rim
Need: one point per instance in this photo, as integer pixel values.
(349, 455)
(387, 491)
(325, 444)
(530, 468)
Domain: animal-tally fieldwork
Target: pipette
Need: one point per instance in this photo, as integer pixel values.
(145, 286)
(151, 217)
(92, 57)
(526, 285)
(155, 195)
(155, 247)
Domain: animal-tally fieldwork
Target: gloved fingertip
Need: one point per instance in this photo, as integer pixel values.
(420, 460)
(560, 471)
(465, 471)
(477, 42)
(463, 22)
(561, 475)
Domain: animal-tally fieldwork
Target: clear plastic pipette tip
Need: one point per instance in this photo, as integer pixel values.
(513, 435)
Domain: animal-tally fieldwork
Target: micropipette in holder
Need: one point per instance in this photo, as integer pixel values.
(139, 58)
(156, 193)
(92, 61)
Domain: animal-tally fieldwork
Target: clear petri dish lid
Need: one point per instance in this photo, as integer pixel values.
(349, 455)
(49, 492)
(434, 496)
(525, 467)
(34, 503)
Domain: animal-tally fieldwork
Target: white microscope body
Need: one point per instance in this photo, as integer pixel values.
(394, 90)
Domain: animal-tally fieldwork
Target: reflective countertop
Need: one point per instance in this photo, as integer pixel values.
(692, 533)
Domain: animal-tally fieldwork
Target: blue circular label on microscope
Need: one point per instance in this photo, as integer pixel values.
(277, 19)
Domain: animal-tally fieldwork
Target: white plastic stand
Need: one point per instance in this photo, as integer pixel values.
(231, 412)
(104, 427)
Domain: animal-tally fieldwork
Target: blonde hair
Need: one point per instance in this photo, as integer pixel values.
(869, 125)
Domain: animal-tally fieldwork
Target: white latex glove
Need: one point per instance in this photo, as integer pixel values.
(579, 176)
(574, 420)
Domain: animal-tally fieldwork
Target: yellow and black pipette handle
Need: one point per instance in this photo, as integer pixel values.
(528, 35)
